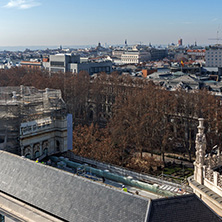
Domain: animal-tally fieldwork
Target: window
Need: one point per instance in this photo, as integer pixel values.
(61, 64)
(57, 70)
(37, 154)
(46, 151)
(2, 218)
(28, 155)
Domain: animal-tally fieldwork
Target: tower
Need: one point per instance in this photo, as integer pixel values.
(200, 152)
(180, 42)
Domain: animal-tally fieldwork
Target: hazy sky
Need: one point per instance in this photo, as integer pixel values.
(84, 22)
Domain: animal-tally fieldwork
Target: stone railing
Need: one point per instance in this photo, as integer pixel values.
(219, 180)
(213, 176)
(35, 126)
(209, 174)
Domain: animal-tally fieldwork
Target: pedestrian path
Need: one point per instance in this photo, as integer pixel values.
(169, 188)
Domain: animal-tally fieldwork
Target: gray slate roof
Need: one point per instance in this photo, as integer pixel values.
(181, 209)
(207, 191)
(73, 198)
(65, 195)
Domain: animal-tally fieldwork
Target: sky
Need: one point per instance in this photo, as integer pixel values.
(87, 22)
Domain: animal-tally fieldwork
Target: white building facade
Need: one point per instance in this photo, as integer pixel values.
(214, 56)
(135, 57)
(72, 63)
(207, 180)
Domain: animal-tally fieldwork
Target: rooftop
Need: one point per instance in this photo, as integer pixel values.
(184, 208)
(65, 195)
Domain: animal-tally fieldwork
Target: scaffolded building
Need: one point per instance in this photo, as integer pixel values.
(33, 122)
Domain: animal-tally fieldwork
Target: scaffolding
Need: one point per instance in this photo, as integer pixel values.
(24, 104)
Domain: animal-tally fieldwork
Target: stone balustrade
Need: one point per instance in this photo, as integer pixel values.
(213, 176)
(35, 126)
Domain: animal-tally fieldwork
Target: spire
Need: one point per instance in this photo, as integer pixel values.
(200, 152)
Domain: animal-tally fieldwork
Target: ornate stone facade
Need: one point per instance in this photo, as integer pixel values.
(207, 180)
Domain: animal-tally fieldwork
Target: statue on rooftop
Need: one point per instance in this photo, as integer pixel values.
(200, 152)
(200, 143)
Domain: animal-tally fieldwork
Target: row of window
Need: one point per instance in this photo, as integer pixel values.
(36, 154)
(100, 69)
(61, 64)
(214, 65)
(129, 57)
(57, 70)
(131, 60)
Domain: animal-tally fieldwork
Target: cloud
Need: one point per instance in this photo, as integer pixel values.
(22, 4)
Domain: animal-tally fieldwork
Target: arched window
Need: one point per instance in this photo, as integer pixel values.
(37, 154)
(28, 156)
(45, 151)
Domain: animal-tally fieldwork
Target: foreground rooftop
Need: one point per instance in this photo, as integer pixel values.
(62, 196)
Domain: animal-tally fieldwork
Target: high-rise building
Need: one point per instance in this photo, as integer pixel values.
(180, 42)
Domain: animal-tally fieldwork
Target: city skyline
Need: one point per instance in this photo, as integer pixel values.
(71, 22)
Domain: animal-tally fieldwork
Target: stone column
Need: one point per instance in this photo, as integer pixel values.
(22, 150)
(215, 178)
(32, 150)
(40, 148)
(52, 145)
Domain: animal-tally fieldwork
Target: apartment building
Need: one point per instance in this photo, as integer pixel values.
(214, 56)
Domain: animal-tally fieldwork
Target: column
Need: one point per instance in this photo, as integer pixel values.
(51, 146)
(40, 150)
(215, 178)
(32, 151)
(22, 150)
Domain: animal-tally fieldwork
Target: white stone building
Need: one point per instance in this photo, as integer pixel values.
(207, 179)
(135, 57)
(72, 63)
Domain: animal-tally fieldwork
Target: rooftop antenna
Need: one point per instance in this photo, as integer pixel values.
(217, 36)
